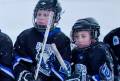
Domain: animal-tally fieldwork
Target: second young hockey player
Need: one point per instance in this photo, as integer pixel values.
(89, 52)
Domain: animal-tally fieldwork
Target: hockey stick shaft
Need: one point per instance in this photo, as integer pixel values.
(59, 57)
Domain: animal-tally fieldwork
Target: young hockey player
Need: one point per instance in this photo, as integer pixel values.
(113, 39)
(6, 50)
(28, 48)
(89, 53)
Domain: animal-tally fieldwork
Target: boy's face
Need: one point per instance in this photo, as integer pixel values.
(42, 17)
(82, 39)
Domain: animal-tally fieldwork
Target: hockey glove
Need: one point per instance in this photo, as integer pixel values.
(26, 76)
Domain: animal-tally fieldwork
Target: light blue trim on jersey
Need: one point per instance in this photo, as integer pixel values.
(57, 74)
(7, 70)
(18, 59)
(53, 32)
(96, 78)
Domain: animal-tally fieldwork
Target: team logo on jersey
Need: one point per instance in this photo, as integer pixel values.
(116, 40)
(105, 72)
(46, 57)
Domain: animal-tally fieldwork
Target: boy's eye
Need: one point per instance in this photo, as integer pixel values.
(46, 15)
(83, 36)
(39, 14)
(76, 36)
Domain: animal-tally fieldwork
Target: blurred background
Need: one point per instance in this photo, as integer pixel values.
(16, 15)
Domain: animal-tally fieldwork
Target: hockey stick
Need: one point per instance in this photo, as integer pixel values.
(44, 43)
(59, 57)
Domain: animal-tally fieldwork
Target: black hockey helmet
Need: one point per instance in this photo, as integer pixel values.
(51, 5)
(89, 24)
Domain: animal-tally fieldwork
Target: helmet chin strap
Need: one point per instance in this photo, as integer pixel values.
(42, 28)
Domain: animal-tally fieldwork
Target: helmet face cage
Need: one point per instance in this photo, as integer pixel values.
(87, 24)
(50, 5)
(94, 33)
(56, 16)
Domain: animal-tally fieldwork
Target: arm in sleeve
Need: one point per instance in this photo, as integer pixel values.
(22, 61)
